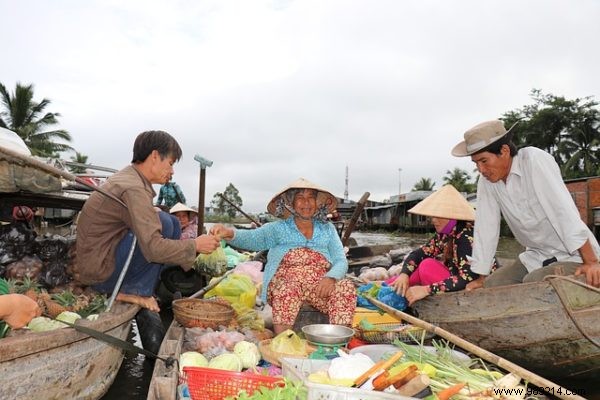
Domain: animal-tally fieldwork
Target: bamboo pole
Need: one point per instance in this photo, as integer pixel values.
(239, 209)
(543, 383)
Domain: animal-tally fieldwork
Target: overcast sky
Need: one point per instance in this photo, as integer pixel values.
(275, 90)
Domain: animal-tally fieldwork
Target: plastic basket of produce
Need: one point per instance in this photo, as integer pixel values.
(216, 384)
(298, 369)
(388, 333)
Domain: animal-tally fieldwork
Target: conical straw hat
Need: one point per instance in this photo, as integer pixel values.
(324, 198)
(181, 207)
(447, 203)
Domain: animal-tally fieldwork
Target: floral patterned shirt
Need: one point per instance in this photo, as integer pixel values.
(458, 264)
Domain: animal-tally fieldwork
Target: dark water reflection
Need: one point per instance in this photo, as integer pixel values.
(134, 376)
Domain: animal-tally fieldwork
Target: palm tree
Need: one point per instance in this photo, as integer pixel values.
(459, 178)
(424, 184)
(580, 149)
(79, 158)
(24, 116)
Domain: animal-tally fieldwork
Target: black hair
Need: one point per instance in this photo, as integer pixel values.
(146, 142)
(496, 147)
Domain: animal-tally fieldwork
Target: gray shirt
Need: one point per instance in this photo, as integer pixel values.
(538, 209)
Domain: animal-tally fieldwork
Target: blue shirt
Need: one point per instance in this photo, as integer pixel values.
(279, 237)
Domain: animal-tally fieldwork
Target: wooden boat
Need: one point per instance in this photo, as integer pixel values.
(551, 328)
(64, 363)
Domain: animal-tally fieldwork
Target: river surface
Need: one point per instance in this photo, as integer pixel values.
(134, 376)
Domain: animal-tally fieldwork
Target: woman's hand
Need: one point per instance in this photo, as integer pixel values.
(206, 244)
(416, 293)
(325, 287)
(17, 310)
(401, 284)
(221, 231)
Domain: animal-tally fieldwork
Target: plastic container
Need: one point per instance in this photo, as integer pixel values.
(298, 370)
(216, 384)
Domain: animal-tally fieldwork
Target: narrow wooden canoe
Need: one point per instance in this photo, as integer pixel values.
(163, 385)
(64, 363)
(551, 328)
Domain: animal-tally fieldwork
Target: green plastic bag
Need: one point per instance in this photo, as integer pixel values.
(235, 288)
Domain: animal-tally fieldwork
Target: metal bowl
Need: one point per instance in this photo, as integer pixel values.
(328, 333)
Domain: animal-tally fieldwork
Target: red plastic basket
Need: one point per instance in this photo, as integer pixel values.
(216, 384)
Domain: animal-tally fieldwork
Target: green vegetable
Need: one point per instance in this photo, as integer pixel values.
(68, 316)
(226, 361)
(248, 353)
(192, 359)
(289, 391)
(43, 324)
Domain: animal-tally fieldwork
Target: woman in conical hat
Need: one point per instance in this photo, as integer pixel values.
(187, 219)
(306, 260)
(442, 264)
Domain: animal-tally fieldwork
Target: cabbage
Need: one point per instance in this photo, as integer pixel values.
(68, 316)
(248, 353)
(192, 359)
(43, 324)
(226, 361)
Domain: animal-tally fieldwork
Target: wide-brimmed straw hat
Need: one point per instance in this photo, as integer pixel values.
(181, 207)
(480, 136)
(447, 203)
(277, 206)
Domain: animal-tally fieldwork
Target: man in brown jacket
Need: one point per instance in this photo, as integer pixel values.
(106, 229)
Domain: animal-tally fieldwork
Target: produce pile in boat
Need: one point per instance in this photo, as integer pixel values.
(41, 268)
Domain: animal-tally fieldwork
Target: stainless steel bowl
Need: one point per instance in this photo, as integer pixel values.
(328, 333)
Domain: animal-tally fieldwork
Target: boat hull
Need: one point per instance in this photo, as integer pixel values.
(64, 364)
(527, 324)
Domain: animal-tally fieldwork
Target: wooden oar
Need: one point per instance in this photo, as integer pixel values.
(239, 209)
(543, 383)
(359, 207)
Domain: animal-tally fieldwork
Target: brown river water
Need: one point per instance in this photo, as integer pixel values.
(134, 376)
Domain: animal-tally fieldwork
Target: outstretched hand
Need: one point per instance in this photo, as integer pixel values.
(221, 231)
(400, 285)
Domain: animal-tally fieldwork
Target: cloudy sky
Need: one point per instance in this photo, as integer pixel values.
(277, 89)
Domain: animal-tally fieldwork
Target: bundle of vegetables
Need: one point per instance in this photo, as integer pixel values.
(248, 317)
(450, 376)
(245, 355)
(288, 391)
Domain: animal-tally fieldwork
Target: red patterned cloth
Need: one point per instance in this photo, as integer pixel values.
(296, 281)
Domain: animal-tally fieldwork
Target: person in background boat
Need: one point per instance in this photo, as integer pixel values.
(306, 261)
(525, 187)
(17, 310)
(188, 219)
(106, 229)
(442, 264)
(171, 194)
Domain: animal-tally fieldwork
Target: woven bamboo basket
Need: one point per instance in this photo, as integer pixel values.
(200, 313)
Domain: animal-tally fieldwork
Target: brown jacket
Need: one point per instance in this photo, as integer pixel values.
(104, 222)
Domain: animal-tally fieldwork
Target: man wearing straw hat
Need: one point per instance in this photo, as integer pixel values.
(440, 265)
(526, 188)
(306, 260)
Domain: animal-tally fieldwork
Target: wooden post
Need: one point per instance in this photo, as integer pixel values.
(359, 207)
(204, 163)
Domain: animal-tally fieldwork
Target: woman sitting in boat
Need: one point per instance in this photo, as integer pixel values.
(441, 265)
(306, 260)
(187, 219)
